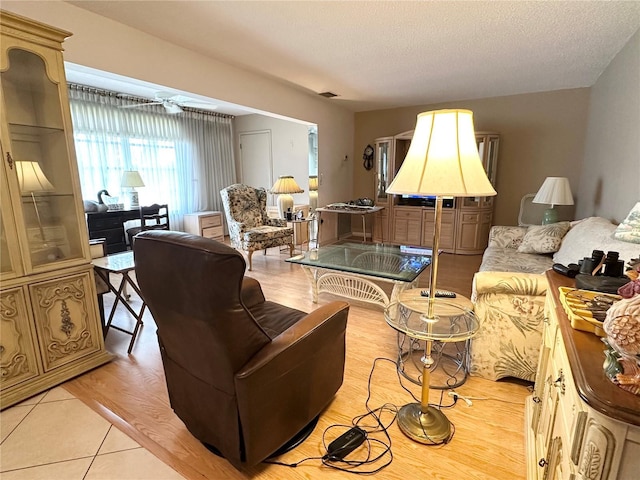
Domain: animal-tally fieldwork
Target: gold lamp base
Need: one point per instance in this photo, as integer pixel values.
(432, 427)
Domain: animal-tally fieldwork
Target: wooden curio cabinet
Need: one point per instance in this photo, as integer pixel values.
(49, 324)
(465, 221)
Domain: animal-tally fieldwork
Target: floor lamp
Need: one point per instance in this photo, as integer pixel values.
(442, 161)
(32, 179)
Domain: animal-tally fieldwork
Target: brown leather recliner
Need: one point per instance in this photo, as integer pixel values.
(244, 374)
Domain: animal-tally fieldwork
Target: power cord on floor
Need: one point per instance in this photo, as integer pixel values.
(366, 425)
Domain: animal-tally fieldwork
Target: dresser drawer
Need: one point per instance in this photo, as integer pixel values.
(212, 232)
(212, 221)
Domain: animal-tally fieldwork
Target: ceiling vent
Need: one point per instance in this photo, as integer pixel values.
(328, 94)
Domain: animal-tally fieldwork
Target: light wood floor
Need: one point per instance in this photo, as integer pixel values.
(488, 443)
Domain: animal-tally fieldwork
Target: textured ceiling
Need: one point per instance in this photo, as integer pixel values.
(397, 53)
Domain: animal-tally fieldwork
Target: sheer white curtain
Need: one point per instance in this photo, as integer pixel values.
(184, 159)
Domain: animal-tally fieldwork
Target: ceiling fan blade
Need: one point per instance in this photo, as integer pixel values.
(141, 105)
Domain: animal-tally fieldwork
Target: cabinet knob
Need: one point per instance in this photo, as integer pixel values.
(543, 462)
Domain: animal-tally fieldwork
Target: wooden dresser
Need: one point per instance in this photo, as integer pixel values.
(205, 224)
(579, 425)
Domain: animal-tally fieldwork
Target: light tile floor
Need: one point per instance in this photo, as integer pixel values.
(55, 436)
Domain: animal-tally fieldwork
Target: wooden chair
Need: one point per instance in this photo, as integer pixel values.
(154, 217)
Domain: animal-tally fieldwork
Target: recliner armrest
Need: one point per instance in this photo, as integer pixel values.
(251, 293)
(291, 379)
(331, 317)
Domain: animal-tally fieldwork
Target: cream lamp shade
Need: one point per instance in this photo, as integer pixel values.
(442, 160)
(313, 192)
(284, 187)
(130, 180)
(31, 178)
(554, 191)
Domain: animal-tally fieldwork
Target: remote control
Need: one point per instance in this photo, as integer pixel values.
(439, 294)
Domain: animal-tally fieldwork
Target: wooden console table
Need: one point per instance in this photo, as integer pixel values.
(578, 423)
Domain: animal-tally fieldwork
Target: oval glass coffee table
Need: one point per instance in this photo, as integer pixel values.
(432, 320)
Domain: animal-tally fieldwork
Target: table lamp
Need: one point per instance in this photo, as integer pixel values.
(32, 179)
(284, 187)
(313, 192)
(130, 180)
(554, 191)
(442, 160)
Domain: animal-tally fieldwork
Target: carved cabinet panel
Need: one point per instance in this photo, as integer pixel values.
(18, 359)
(65, 322)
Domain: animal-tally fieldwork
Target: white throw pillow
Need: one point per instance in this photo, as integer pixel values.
(543, 238)
(593, 233)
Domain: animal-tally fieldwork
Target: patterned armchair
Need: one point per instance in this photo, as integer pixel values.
(511, 309)
(250, 228)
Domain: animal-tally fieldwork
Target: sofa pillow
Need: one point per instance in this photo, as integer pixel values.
(629, 229)
(589, 234)
(543, 238)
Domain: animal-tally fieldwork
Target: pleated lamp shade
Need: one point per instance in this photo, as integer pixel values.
(443, 158)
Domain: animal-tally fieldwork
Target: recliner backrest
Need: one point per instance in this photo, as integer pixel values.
(195, 298)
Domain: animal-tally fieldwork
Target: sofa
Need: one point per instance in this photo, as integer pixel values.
(509, 289)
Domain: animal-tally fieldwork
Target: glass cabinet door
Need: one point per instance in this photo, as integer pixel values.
(10, 266)
(383, 163)
(37, 152)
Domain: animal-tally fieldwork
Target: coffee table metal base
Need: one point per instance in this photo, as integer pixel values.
(431, 427)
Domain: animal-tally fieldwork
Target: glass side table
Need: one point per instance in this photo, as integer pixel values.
(450, 367)
(443, 321)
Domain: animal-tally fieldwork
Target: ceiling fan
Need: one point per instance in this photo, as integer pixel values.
(173, 103)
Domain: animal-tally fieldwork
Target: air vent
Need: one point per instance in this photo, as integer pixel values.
(328, 94)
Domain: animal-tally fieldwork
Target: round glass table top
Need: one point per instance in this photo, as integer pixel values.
(451, 322)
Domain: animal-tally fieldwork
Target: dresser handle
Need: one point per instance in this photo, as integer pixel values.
(10, 160)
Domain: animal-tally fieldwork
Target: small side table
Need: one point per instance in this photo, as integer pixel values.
(444, 322)
(300, 232)
(450, 367)
(123, 264)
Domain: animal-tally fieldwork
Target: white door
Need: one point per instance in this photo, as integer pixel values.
(255, 160)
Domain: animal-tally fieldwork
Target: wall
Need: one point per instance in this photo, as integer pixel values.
(610, 181)
(541, 135)
(106, 45)
(289, 148)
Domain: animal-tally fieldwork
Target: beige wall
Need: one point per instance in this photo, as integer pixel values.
(610, 180)
(289, 150)
(541, 135)
(106, 45)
